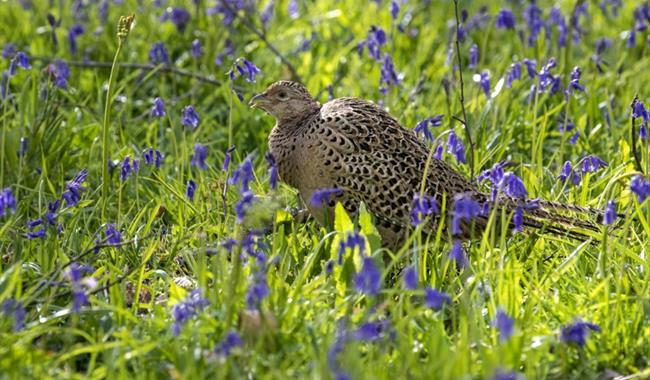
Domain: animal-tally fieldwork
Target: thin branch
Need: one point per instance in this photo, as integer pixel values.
(262, 36)
(134, 66)
(462, 95)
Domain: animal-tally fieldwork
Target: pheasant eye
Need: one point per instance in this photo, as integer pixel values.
(283, 95)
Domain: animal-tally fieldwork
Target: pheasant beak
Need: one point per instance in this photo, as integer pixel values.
(259, 100)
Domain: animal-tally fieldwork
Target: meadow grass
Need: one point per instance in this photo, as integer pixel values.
(134, 281)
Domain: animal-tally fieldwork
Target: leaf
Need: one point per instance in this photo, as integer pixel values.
(176, 293)
(368, 229)
(342, 221)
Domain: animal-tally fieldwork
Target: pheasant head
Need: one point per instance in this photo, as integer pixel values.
(286, 101)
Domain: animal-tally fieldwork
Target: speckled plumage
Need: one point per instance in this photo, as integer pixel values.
(356, 146)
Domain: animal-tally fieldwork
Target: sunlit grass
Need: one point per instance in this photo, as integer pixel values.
(171, 245)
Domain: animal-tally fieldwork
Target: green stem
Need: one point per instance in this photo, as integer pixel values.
(106, 124)
(234, 284)
(4, 136)
(230, 118)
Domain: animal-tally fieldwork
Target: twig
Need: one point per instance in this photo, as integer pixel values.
(468, 134)
(635, 152)
(134, 66)
(262, 36)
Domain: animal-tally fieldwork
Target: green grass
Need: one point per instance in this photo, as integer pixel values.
(172, 245)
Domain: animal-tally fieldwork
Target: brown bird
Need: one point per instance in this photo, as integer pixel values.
(357, 147)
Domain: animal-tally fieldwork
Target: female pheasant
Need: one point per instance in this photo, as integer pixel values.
(356, 147)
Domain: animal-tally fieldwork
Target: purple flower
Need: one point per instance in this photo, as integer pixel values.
(113, 236)
(592, 164)
(410, 278)
(306, 42)
(158, 54)
(533, 17)
(228, 50)
(368, 279)
(340, 339)
(457, 254)
(610, 213)
(639, 111)
(273, 170)
(294, 13)
(226, 158)
(375, 40)
(251, 70)
(228, 343)
(7, 202)
(73, 189)
(22, 61)
(79, 285)
(199, 156)
(126, 168)
(465, 209)
(435, 299)
(641, 16)
(494, 174)
(153, 157)
(388, 74)
(531, 67)
(190, 190)
(246, 68)
(372, 331)
(187, 309)
(575, 79)
(257, 291)
(329, 267)
(577, 332)
(13, 308)
(32, 224)
(322, 196)
(513, 74)
(484, 81)
(602, 44)
(74, 32)
(190, 118)
(61, 72)
(479, 20)
(504, 323)
(354, 240)
(438, 153)
(9, 50)
(546, 78)
(267, 13)
(243, 174)
(505, 19)
(158, 108)
(197, 49)
(556, 18)
(243, 204)
(615, 4)
(631, 39)
(501, 374)
(639, 186)
(456, 147)
(518, 219)
(422, 207)
(513, 186)
(394, 9)
(179, 16)
(4, 84)
(473, 58)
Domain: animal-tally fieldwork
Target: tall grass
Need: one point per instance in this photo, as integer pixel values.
(308, 325)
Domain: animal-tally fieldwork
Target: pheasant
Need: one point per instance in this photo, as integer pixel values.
(359, 149)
